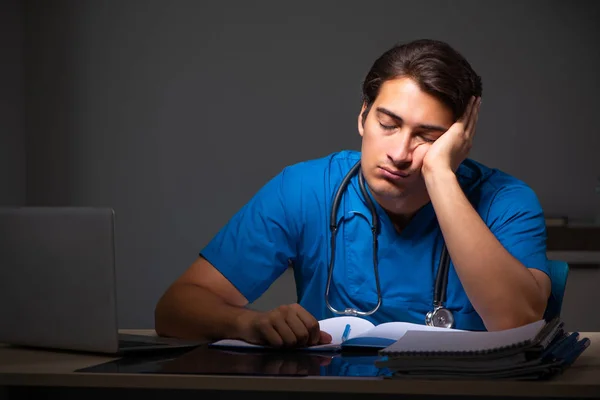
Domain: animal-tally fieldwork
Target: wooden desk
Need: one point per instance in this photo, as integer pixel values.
(25, 368)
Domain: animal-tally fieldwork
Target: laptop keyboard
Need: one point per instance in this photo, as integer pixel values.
(132, 343)
(136, 341)
(129, 340)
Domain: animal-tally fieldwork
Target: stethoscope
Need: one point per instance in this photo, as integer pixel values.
(439, 316)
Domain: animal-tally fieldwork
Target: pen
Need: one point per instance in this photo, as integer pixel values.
(346, 333)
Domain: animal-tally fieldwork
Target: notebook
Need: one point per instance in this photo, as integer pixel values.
(557, 356)
(534, 336)
(361, 334)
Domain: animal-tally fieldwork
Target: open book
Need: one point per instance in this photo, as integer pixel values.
(362, 334)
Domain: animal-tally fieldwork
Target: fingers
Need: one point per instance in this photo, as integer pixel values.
(269, 334)
(473, 116)
(311, 325)
(289, 326)
(324, 337)
(285, 327)
(464, 119)
(462, 125)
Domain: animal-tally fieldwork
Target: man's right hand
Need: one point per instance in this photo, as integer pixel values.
(285, 326)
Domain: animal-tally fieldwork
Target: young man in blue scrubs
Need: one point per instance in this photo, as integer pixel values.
(420, 106)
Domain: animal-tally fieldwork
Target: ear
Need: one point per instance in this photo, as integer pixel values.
(361, 129)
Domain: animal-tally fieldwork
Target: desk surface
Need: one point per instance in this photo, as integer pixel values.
(27, 367)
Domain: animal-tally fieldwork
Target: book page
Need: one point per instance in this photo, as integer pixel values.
(395, 330)
(235, 343)
(335, 327)
(464, 341)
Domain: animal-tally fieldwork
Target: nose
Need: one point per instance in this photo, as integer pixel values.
(400, 149)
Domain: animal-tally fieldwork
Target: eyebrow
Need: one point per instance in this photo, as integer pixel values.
(422, 126)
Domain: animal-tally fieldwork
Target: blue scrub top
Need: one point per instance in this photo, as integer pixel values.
(287, 223)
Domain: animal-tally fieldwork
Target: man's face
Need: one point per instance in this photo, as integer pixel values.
(401, 125)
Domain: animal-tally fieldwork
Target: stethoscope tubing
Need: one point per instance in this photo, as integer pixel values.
(441, 280)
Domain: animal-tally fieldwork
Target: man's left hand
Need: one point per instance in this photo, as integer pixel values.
(447, 152)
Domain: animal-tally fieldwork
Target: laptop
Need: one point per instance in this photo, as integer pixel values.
(58, 283)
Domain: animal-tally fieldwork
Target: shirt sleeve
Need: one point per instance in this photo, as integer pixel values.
(517, 219)
(254, 248)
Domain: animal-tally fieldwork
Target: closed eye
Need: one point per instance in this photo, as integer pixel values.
(427, 139)
(387, 127)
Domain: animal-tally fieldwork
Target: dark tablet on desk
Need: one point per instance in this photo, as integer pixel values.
(207, 360)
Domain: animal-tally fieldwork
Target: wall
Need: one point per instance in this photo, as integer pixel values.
(12, 113)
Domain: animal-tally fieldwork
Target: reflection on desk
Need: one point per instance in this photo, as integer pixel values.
(40, 373)
(207, 360)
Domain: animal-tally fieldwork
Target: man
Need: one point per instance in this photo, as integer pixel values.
(420, 106)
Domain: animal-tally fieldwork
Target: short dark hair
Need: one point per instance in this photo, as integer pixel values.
(434, 65)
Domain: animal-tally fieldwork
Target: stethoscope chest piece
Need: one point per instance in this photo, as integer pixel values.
(440, 317)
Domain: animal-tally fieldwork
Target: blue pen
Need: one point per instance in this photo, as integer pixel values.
(346, 333)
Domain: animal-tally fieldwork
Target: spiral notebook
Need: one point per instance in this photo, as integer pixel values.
(536, 351)
(534, 336)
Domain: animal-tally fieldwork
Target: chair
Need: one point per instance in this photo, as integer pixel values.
(559, 272)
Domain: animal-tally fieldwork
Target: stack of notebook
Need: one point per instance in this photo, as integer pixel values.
(538, 350)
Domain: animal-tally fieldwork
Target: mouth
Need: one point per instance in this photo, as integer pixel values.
(393, 174)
